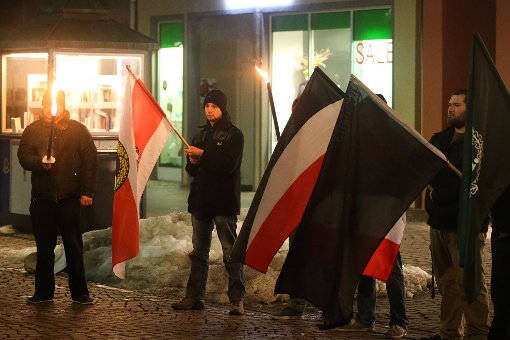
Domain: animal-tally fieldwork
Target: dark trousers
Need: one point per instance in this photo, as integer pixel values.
(202, 236)
(47, 217)
(500, 278)
(395, 288)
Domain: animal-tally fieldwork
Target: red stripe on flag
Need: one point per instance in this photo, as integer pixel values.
(382, 260)
(147, 115)
(283, 219)
(125, 235)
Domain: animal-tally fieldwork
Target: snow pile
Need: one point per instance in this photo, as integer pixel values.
(163, 264)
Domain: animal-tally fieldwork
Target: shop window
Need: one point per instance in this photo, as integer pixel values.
(24, 81)
(331, 34)
(170, 89)
(372, 50)
(93, 84)
(341, 43)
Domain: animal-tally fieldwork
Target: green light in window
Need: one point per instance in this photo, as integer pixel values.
(284, 23)
(373, 24)
(332, 20)
(171, 34)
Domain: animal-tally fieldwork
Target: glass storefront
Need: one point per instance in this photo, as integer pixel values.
(340, 43)
(93, 84)
(24, 82)
(170, 89)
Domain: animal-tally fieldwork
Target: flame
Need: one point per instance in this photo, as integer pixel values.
(263, 74)
(54, 91)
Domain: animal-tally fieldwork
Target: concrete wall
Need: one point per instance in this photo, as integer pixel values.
(406, 84)
(503, 39)
(448, 28)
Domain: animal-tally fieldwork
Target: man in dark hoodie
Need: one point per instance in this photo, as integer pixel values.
(214, 162)
(442, 205)
(59, 191)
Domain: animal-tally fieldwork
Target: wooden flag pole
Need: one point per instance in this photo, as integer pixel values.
(152, 98)
(454, 169)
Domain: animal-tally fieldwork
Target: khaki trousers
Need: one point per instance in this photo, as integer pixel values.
(455, 312)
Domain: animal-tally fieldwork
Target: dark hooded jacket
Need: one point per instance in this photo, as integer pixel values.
(74, 172)
(216, 185)
(443, 208)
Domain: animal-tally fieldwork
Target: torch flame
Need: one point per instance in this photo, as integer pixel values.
(263, 74)
(54, 91)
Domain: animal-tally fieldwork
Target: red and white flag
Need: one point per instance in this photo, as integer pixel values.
(382, 261)
(144, 129)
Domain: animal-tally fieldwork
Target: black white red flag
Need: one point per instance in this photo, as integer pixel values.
(374, 168)
(290, 176)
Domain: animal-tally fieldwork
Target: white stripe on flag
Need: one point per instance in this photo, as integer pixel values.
(309, 143)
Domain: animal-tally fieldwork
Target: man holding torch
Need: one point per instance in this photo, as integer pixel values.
(62, 157)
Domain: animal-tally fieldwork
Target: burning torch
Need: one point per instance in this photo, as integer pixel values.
(48, 158)
(265, 75)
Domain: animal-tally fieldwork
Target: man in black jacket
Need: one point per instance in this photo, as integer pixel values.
(59, 191)
(442, 203)
(500, 276)
(214, 162)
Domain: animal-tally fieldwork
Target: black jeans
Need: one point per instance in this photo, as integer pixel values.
(500, 328)
(202, 237)
(47, 218)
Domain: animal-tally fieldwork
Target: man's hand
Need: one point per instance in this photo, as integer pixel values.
(194, 154)
(85, 200)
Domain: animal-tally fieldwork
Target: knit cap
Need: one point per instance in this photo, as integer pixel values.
(218, 98)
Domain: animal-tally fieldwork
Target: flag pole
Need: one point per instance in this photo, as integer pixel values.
(454, 169)
(155, 102)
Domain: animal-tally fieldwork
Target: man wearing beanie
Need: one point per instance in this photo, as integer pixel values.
(214, 162)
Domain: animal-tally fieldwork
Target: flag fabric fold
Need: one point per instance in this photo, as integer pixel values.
(290, 176)
(143, 131)
(486, 165)
(373, 169)
(381, 263)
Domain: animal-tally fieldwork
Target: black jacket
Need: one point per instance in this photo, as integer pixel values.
(74, 172)
(216, 185)
(443, 208)
(501, 213)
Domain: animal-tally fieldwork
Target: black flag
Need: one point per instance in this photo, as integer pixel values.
(374, 168)
(486, 165)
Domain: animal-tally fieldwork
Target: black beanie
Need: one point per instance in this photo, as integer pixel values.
(218, 98)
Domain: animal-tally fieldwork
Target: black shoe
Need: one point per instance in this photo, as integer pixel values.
(38, 299)
(83, 300)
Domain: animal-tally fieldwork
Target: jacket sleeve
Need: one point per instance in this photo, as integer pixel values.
(192, 169)
(29, 154)
(228, 159)
(88, 156)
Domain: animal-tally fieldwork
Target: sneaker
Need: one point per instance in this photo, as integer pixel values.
(38, 299)
(288, 314)
(188, 304)
(395, 332)
(236, 308)
(356, 326)
(83, 300)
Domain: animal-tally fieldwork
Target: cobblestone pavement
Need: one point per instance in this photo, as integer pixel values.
(121, 314)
